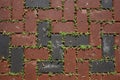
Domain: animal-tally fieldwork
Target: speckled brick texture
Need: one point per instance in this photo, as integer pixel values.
(59, 40)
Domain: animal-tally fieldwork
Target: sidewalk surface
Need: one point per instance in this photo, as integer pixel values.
(59, 39)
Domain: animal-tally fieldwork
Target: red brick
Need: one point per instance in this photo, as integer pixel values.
(50, 14)
(111, 28)
(88, 3)
(62, 77)
(95, 34)
(4, 14)
(30, 24)
(82, 24)
(4, 67)
(7, 77)
(100, 15)
(58, 27)
(70, 60)
(83, 71)
(69, 9)
(117, 40)
(41, 53)
(111, 77)
(30, 71)
(117, 59)
(117, 10)
(18, 9)
(96, 77)
(5, 3)
(23, 40)
(56, 3)
(43, 77)
(90, 54)
(11, 27)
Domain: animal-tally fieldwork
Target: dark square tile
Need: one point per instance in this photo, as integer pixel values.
(107, 4)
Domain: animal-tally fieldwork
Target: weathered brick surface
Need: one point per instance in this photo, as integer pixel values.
(59, 40)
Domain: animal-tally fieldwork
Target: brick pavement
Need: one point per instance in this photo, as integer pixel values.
(59, 40)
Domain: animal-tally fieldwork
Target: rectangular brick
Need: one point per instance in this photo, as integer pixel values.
(111, 28)
(100, 15)
(4, 67)
(5, 14)
(30, 22)
(11, 27)
(56, 3)
(116, 10)
(23, 40)
(17, 60)
(52, 14)
(58, 27)
(8, 77)
(70, 60)
(5, 3)
(117, 59)
(18, 9)
(69, 9)
(41, 53)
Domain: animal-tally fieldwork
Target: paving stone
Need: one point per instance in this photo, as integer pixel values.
(43, 28)
(47, 66)
(4, 46)
(38, 3)
(17, 59)
(102, 66)
(107, 46)
(106, 4)
(57, 52)
(76, 40)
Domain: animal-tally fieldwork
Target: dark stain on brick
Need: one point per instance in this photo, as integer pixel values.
(102, 66)
(106, 4)
(4, 46)
(50, 66)
(107, 46)
(38, 3)
(17, 59)
(43, 28)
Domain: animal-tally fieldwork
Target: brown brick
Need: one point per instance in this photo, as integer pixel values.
(95, 34)
(43, 77)
(8, 77)
(117, 59)
(4, 14)
(100, 15)
(18, 9)
(4, 67)
(41, 53)
(111, 28)
(69, 9)
(56, 3)
(70, 60)
(5, 3)
(117, 40)
(96, 77)
(88, 3)
(23, 40)
(90, 54)
(50, 14)
(82, 24)
(11, 27)
(30, 70)
(58, 27)
(117, 10)
(83, 71)
(30, 24)
(111, 77)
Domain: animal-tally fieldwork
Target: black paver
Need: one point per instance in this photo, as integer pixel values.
(76, 40)
(4, 46)
(47, 66)
(107, 4)
(17, 59)
(107, 46)
(102, 66)
(38, 3)
(57, 52)
(43, 28)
